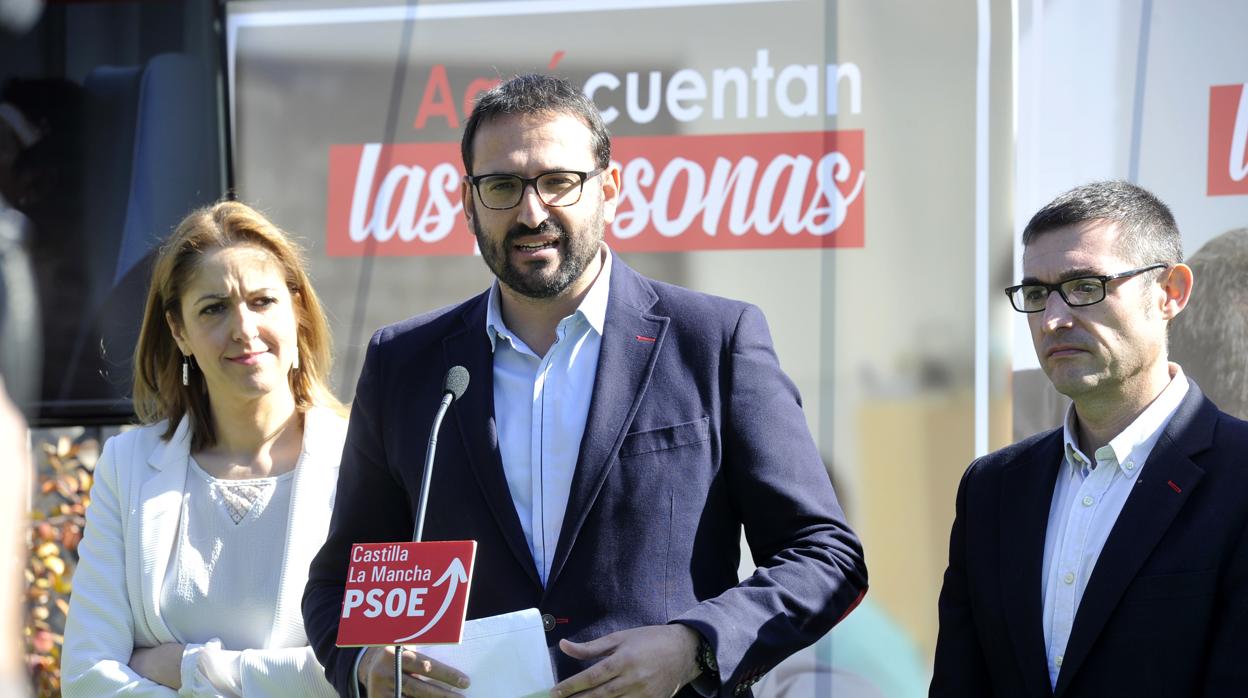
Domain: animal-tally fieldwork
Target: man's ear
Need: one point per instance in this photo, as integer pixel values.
(465, 195)
(610, 192)
(1177, 285)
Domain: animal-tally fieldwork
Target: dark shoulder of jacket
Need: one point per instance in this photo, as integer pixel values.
(1231, 433)
(704, 313)
(1004, 457)
(406, 335)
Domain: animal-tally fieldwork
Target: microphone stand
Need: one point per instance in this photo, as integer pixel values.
(449, 394)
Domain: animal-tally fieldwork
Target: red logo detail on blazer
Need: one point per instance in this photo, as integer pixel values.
(644, 339)
(1174, 487)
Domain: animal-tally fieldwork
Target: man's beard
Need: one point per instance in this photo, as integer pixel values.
(576, 253)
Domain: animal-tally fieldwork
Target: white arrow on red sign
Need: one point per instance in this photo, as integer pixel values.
(457, 575)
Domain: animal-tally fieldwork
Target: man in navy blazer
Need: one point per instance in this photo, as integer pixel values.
(1108, 557)
(617, 435)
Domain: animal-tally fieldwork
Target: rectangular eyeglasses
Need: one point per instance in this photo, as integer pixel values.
(1077, 292)
(557, 188)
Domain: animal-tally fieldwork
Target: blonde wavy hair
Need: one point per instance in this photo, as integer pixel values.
(158, 390)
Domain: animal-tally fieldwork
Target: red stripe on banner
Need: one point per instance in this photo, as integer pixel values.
(1228, 141)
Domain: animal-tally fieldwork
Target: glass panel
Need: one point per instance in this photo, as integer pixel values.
(122, 102)
(785, 168)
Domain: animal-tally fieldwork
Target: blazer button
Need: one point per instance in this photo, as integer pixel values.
(548, 622)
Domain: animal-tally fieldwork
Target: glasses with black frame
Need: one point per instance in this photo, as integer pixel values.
(555, 188)
(1077, 292)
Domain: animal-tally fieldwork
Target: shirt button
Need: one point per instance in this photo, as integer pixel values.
(1069, 578)
(1129, 465)
(1057, 661)
(548, 622)
(1088, 501)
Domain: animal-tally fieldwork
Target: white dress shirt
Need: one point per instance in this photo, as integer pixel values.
(1087, 499)
(541, 404)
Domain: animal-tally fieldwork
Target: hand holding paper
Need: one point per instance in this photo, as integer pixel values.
(505, 656)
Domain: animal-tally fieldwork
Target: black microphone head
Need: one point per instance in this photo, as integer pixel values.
(456, 382)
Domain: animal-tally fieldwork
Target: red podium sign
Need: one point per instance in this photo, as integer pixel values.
(399, 593)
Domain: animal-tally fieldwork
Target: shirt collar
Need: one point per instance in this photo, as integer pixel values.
(1139, 436)
(593, 306)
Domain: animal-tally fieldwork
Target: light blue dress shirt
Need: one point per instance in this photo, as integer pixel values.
(541, 404)
(1087, 499)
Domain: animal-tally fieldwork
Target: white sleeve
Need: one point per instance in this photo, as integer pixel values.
(99, 632)
(210, 671)
(287, 671)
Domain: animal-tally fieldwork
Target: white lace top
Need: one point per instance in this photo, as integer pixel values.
(226, 565)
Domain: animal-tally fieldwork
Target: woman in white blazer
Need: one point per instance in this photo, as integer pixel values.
(203, 522)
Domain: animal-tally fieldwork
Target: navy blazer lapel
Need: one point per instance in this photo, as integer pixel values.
(474, 415)
(1026, 496)
(632, 339)
(1164, 484)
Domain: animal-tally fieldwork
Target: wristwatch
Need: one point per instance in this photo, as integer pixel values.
(706, 658)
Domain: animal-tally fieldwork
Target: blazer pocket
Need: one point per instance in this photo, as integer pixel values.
(665, 438)
(1171, 586)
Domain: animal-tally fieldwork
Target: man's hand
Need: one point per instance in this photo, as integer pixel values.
(653, 660)
(422, 676)
(162, 664)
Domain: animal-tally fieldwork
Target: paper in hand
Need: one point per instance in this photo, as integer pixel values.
(504, 656)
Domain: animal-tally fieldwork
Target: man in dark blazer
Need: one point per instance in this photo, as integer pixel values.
(671, 426)
(1108, 557)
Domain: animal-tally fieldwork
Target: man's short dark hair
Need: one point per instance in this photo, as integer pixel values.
(534, 95)
(1148, 233)
(1209, 339)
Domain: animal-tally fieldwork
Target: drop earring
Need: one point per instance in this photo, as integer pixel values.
(186, 371)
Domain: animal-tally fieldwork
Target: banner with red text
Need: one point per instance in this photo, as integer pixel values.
(680, 193)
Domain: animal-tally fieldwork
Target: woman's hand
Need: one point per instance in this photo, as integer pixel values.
(162, 664)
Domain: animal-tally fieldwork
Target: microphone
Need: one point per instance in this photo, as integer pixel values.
(456, 382)
(453, 387)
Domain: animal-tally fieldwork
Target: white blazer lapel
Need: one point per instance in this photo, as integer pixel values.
(311, 503)
(160, 511)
